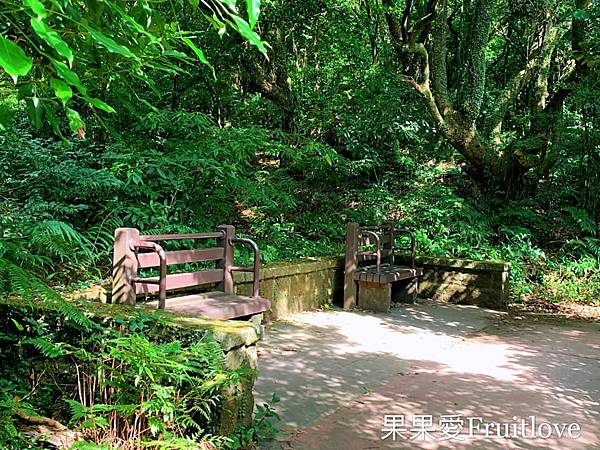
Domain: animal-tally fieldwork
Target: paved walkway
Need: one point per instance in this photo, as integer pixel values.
(340, 373)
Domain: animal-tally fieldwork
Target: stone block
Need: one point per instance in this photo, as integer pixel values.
(374, 296)
(95, 292)
(238, 406)
(242, 357)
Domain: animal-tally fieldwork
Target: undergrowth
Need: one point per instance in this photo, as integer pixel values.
(127, 383)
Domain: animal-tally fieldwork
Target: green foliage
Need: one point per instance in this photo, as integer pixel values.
(262, 429)
(127, 383)
(293, 196)
(288, 149)
(72, 51)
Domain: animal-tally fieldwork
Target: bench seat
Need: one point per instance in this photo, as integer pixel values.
(387, 273)
(216, 305)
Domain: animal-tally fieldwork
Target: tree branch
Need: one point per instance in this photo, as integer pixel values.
(438, 51)
(470, 96)
(405, 18)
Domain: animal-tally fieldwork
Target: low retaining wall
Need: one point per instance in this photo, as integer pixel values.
(297, 286)
(481, 283)
(314, 283)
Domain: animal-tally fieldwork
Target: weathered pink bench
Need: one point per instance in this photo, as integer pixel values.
(133, 252)
(374, 278)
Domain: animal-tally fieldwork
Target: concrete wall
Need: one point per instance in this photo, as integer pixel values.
(313, 283)
(297, 286)
(481, 283)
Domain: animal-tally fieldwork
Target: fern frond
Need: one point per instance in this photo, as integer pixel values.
(47, 348)
(59, 239)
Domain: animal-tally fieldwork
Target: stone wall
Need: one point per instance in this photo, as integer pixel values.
(238, 340)
(314, 283)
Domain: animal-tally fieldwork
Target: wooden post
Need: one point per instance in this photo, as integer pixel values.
(227, 262)
(350, 265)
(125, 266)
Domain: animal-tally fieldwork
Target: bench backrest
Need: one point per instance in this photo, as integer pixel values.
(133, 252)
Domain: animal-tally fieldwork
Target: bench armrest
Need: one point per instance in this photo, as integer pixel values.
(162, 278)
(255, 266)
(413, 246)
(378, 245)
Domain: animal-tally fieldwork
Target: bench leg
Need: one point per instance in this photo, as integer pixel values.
(374, 296)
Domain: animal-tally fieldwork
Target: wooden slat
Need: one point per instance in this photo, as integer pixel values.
(179, 237)
(146, 260)
(365, 257)
(182, 280)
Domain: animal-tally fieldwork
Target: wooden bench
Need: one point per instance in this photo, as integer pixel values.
(375, 278)
(133, 252)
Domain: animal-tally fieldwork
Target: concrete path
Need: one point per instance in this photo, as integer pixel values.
(346, 379)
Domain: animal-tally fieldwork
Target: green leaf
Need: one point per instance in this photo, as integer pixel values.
(175, 54)
(52, 119)
(231, 4)
(198, 52)
(6, 116)
(194, 4)
(24, 91)
(37, 7)
(52, 39)
(13, 59)
(109, 43)
(581, 14)
(34, 111)
(18, 325)
(58, 5)
(246, 32)
(62, 90)
(75, 122)
(100, 104)
(253, 8)
(129, 20)
(69, 76)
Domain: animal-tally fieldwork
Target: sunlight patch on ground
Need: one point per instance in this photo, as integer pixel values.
(374, 334)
